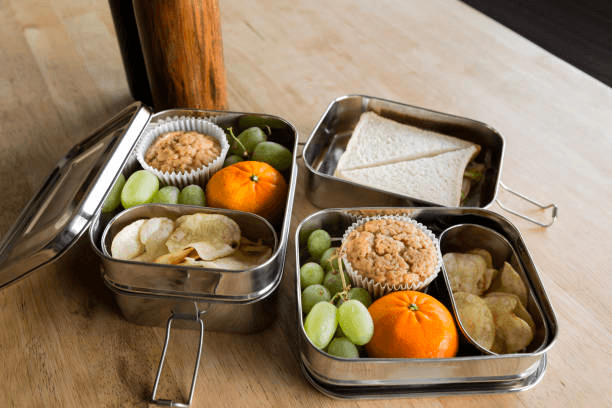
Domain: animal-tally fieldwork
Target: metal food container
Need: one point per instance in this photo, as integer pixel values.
(472, 370)
(69, 203)
(465, 237)
(330, 136)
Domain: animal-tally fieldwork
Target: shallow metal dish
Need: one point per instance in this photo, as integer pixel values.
(330, 136)
(470, 371)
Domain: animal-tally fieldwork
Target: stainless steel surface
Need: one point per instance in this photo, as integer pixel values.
(61, 210)
(427, 390)
(169, 403)
(328, 141)
(193, 283)
(465, 237)
(230, 317)
(470, 370)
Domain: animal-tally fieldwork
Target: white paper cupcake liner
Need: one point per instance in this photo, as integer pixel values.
(377, 289)
(183, 123)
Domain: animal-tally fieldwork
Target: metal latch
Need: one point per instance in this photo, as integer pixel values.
(176, 316)
(523, 216)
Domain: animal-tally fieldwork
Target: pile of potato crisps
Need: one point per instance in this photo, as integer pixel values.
(491, 303)
(206, 240)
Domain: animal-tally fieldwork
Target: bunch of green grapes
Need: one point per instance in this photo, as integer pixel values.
(253, 144)
(336, 316)
(144, 187)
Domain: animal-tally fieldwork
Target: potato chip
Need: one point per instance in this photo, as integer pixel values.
(237, 261)
(126, 244)
(468, 272)
(485, 254)
(213, 236)
(476, 318)
(510, 281)
(520, 310)
(175, 258)
(512, 334)
(153, 235)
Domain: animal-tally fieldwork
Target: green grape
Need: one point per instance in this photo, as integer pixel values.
(329, 259)
(333, 281)
(275, 154)
(320, 324)
(359, 294)
(139, 188)
(192, 195)
(251, 137)
(247, 139)
(311, 273)
(339, 332)
(304, 234)
(166, 195)
(356, 322)
(312, 295)
(231, 159)
(114, 197)
(342, 347)
(318, 242)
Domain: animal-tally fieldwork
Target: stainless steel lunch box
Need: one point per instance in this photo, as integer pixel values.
(472, 371)
(330, 136)
(69, 203)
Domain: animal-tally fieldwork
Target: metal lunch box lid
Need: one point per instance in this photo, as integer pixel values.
(62, 209)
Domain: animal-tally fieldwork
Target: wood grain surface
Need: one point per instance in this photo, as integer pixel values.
(183, 52)
(63, 340)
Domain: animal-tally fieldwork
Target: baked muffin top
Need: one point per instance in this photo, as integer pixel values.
(391, 251)
(182, 151)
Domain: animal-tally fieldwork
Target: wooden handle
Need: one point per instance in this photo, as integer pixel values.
(183, 52)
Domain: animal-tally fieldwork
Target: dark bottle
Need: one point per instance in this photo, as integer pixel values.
(131, 51)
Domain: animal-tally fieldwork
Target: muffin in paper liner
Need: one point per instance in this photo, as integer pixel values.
(181, 179)
(379, 289)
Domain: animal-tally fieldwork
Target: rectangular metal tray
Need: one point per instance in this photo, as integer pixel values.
(470, 371)
(330, 136)
(147, 293)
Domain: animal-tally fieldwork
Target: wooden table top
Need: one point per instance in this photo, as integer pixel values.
(63, 340)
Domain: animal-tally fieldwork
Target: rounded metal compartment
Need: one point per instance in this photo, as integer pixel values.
(465, 237)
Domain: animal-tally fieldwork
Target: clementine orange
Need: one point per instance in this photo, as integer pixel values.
(410, 324)
(250, 186)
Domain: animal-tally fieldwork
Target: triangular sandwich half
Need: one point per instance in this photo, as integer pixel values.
(436, 179)
(377, 140)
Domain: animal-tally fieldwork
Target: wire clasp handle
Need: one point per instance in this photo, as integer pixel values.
(169, 403)
(523, 216)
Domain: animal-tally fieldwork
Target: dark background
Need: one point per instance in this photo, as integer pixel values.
(579, 32)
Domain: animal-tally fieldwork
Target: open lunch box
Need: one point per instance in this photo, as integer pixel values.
(462, 228)
(70, 200)
(69, 203)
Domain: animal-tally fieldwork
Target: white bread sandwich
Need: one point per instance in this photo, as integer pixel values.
(437, 179)
(404, 159)
(377, 140)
